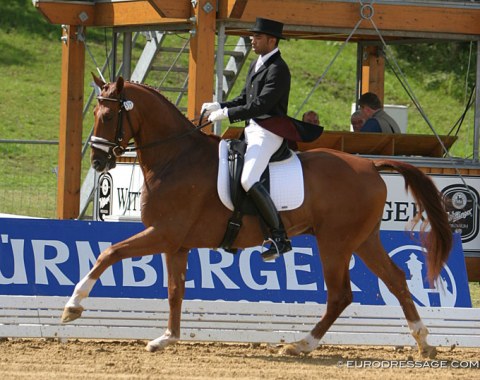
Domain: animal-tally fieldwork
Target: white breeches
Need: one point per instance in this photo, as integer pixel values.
(261, 145)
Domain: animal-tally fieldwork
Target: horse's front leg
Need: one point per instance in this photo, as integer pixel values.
(144, 243)
(176, 268)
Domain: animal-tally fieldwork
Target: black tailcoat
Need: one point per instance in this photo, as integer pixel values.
(265, 93)
(265, 99)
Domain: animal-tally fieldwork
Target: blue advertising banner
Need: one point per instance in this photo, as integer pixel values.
(48, 257)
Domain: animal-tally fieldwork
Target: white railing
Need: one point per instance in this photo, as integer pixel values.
(263, 322)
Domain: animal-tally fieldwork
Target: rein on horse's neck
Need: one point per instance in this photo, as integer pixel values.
(186, 130)
(191, 128)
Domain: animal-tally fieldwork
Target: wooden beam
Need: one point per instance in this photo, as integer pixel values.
(126, 14)
(118, 13)
(338, 14)
(236, 8)
(67, 13)
(202, 59)
(373, 71)
(140, 12)
(172, 8)
(70, 135)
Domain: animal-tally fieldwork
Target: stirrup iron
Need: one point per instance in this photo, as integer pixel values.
(275, 250)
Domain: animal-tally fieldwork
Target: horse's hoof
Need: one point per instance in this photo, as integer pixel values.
(290, 349)
(303, 346)
(429, 352)
(152, 347)
(160, 343)
(70, 313)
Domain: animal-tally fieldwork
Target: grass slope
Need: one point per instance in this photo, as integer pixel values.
(31, 72)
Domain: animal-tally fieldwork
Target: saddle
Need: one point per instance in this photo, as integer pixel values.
(242, 204)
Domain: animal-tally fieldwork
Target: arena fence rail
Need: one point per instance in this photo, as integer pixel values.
(252, 322)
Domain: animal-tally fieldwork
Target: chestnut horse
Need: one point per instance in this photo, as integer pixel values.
(342, 208)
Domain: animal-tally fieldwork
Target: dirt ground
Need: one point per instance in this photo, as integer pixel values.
(82, 359)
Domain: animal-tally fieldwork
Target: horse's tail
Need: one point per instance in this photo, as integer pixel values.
(438, 241)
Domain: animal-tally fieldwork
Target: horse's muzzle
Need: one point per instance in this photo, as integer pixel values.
(103, 162)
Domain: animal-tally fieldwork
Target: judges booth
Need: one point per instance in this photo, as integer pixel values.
(372, 143)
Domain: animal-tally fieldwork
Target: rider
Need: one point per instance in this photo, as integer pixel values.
(265, 95)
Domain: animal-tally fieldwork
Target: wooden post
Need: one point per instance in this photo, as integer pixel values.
(373, 71)
(202, 58)
(70, 136)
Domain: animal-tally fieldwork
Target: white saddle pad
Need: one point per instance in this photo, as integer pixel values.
(286, 181)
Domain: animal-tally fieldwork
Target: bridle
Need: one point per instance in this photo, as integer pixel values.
(115, 148)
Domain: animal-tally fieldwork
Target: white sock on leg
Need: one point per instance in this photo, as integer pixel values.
(82, 290)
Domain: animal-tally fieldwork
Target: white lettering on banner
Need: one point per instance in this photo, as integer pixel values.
(86, 260)
(208, 269)
(42, 263)
(291, 270)
(19, 275)
(271, 281)
(150, 275)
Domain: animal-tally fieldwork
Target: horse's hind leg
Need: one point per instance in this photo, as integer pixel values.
(176, 268)
(339, 296)
(374, 256)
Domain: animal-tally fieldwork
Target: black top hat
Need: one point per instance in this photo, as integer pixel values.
(270, 27)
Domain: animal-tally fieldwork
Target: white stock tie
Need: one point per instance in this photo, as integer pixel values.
(258, 64)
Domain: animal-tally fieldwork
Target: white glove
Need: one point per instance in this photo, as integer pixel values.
(209, 108)
(218, 115)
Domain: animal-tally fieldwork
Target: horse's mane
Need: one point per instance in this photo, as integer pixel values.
(172, 106)
(156, 92)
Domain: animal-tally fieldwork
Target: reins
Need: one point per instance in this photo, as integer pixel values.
(174, 137)
(116, 149)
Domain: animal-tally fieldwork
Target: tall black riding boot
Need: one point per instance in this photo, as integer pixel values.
(266, 207)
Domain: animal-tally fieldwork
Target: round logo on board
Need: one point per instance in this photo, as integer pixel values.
(411, 259)
(463, 215)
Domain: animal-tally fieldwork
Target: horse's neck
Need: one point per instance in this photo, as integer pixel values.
(168, 132)
(167, 149)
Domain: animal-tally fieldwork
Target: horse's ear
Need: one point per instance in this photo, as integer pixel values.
(100, 83)
(119, 85)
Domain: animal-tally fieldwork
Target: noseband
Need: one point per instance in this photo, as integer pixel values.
(109, 147)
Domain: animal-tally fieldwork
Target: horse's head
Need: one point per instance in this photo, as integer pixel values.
(112, 129)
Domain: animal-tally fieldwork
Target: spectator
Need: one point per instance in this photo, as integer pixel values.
(376, 119)
(311, 117)
(357, 119)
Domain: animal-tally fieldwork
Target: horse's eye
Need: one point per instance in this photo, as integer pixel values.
(108, 116)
